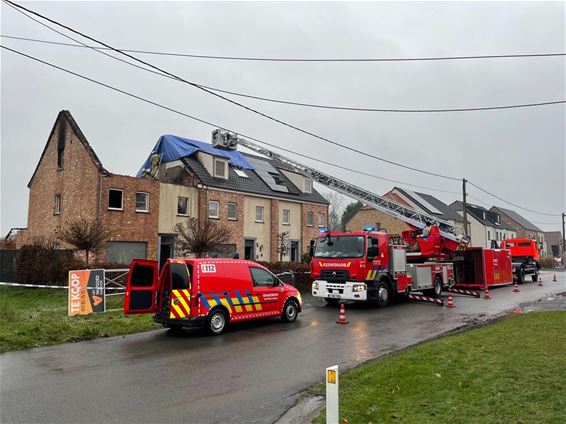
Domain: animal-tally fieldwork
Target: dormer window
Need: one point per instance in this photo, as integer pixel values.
(308, 185)
(220, 168)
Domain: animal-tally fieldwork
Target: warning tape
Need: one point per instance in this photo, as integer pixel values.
(464, 292)
(426, 299)
(45, 286)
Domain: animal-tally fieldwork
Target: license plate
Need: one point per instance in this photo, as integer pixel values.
(336, 296)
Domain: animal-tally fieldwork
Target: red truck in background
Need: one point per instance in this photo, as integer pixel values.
(372, 265)
(525, 258)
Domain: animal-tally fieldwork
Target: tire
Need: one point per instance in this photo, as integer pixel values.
(216, 322)
(331, 302)
(534, 277)
(520, 275)
(290, 311)
(383, 294)
(436, 291)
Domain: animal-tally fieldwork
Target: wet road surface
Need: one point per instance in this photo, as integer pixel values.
(251, 374)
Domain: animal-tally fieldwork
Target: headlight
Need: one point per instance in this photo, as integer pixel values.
(315, 286)
(359, 287)
(300, 298)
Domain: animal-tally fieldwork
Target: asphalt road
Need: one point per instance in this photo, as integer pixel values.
(251, 374)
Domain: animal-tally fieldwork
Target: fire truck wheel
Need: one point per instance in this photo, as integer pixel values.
(520, 275)
(216, 322)
(534, 277)
(290, 311)
(436, 291)
(383, 294)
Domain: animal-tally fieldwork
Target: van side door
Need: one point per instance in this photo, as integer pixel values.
(141, 287)
(266, 289)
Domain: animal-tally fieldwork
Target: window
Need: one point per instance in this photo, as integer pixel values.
(232, 209)
(183, 206)
(262, 278)
(213, 209)
(115, 199)
(259, 214)
(286, 217)
(310, 219)
(489, 235)
(142, 202)
(241, 173)
(220, 168)
(308, 185)
(57, 207)
(320, 220)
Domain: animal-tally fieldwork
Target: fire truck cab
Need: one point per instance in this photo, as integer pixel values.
(210, 293)
(524, 256)
(371, 265)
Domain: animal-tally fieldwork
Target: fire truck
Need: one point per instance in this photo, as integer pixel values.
(525, 258)
(372, 265)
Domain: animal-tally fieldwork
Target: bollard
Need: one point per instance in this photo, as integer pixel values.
(332, 415)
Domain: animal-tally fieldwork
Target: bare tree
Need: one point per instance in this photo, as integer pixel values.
(283, 244)
(200, 237)
(335, 210)
(84, 235)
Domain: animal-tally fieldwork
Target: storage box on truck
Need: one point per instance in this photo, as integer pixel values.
(210, 293)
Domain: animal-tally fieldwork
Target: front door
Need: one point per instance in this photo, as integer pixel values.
(267, 289)
(141, 287)
(249, 249)
(295, 251)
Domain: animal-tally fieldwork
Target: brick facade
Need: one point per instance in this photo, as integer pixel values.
(372, 217)
(275, 213)
(310, 232)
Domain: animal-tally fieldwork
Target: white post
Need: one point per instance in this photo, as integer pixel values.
(332, 416)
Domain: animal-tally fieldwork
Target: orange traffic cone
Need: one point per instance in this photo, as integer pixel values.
(342, 317)
(450, 303)
(516, 288)
(539, 281)
(486, 294)
(554, 280)
(517, 311)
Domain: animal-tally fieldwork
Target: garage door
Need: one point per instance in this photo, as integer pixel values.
(122, 252)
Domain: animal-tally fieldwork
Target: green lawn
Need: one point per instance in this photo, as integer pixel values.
(38, 317)
(513, 371)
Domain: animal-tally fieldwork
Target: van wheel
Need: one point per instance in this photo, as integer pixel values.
(216, 322)
(290, 311)
(383, 294)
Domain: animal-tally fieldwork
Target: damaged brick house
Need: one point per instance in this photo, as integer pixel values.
(257, 202)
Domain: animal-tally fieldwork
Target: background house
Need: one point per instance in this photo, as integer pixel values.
(554, 243)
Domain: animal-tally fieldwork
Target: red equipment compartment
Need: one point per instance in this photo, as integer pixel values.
(476, 267)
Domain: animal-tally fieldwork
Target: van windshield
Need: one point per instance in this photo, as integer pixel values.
(339, 247)
(179, 276)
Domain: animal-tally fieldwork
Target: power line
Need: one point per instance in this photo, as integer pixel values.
(275, 59)
(297, 103)
(216, 125)
(513, 204)
(255, 111)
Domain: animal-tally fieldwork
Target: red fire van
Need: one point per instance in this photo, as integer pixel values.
(208, 292)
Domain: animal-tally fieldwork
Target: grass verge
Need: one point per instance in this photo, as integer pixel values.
(513, 371)
(38, 317)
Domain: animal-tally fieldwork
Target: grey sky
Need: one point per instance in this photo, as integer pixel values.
(518, 154)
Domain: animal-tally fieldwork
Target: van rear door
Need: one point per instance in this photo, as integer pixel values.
(141, 287)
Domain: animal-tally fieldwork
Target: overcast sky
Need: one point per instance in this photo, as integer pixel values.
(517, 154)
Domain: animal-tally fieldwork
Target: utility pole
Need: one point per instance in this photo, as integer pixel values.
(466, 207)
(564, 239)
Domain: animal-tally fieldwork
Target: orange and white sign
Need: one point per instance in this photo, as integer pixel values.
(86, 292)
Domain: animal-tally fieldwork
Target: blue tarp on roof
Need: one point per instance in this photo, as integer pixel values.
(171, 148)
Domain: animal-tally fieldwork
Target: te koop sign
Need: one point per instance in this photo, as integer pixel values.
(86, 292)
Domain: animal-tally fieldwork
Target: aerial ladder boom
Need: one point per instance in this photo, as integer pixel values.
(227, 140)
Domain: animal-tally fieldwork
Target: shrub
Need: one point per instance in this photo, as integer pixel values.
(302, 279)
(42, 264)
(547, 261)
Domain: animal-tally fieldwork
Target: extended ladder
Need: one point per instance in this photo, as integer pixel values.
(227, 140)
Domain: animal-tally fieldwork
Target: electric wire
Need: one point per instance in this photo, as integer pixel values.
(297, 103)
(250, 109)
(154, 103)
(275, 59)
(511, 203)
